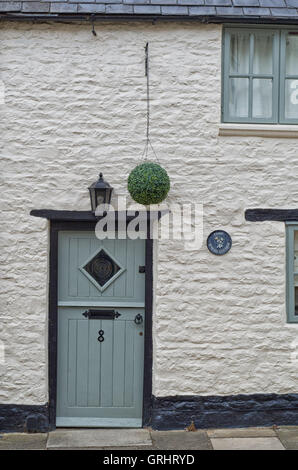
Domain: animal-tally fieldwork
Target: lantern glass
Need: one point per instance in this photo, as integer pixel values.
(100, 196)
(108, 195)
(100, 193)
(92, 199)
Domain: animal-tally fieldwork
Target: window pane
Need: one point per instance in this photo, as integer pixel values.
(296, 300)
(239, 53)
(238, 106)
(296, 270)
(296, 252)
(292, 54)
(262, 98)
(263, 48)
(291, 99)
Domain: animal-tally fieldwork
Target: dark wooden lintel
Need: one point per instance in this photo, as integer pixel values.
(51, 214)
(88, 216)
(279, 215)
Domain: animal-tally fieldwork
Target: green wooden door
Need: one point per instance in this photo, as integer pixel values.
(100, 346)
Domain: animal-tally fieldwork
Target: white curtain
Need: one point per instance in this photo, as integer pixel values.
(291, 85)
(239, 53)
(261, 64)
(292, 55)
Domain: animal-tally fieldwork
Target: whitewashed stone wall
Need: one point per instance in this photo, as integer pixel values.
(74, 105)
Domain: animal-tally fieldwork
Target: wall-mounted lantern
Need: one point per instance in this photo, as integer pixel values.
(100, 193)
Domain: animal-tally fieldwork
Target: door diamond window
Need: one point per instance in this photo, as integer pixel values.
(102, 269)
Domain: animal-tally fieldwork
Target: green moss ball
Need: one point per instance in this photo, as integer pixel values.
(148, 183)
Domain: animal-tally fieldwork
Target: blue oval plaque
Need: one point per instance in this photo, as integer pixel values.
(219, 242)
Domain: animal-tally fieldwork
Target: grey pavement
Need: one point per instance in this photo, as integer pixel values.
(260, 438)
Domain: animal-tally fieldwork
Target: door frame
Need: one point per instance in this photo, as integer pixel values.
(55, 227)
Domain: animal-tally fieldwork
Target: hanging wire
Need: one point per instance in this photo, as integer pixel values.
(93, 29)
(148, 143)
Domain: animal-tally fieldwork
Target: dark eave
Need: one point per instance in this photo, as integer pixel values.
(147, 18)
(215, 11)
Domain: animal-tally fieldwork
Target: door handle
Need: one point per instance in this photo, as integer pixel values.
(101, 314)
(138, 319)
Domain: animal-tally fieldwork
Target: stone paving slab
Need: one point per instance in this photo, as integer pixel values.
(246, 443)
(242, 432)
(288, 435)
(181, 440)
(23, 441)
(283, 437)
(98, 438)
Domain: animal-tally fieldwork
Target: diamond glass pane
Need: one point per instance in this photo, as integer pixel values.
(102, 268)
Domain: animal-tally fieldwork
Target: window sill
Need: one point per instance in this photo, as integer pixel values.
(258, 130)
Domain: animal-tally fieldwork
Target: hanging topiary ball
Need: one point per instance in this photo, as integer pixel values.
(148, 183)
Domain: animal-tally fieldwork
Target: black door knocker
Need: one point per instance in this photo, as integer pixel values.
(138, 319)
(100, 337)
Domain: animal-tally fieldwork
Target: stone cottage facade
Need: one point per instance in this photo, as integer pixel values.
(223, 347)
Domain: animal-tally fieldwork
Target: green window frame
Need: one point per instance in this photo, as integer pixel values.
(292, 271)
(281, 111)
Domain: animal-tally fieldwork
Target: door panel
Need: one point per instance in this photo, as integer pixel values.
(74, 287)
(99, 379)
(100, 361)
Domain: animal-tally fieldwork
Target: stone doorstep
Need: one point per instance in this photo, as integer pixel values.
(98, 438)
